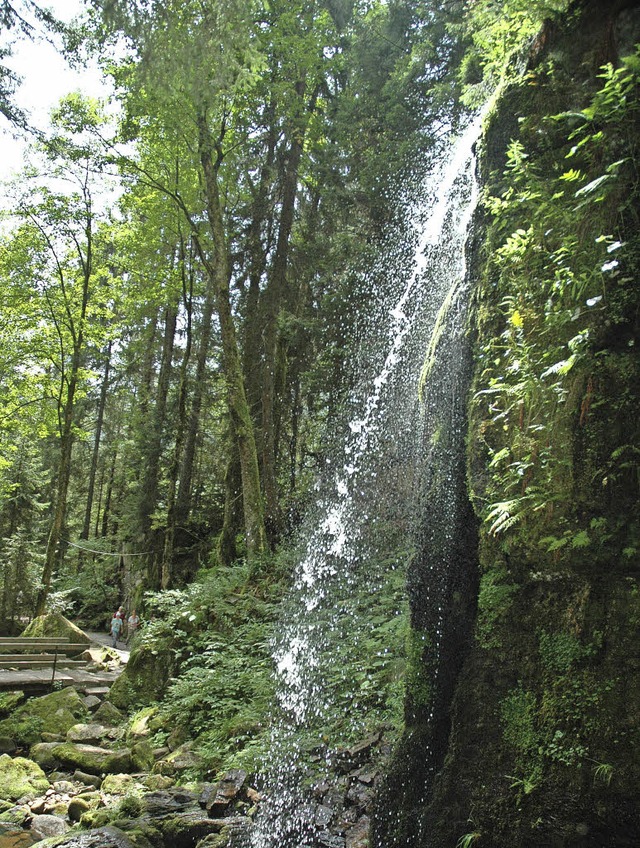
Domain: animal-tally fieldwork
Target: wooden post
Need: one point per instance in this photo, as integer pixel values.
(55, 660)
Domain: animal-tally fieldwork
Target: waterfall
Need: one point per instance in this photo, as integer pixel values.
(375, 468)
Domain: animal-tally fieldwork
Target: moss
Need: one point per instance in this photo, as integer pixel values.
(54, 624)
(93, 760)
(144, 679)
(95, 818)
(54, 714)
(9, 701)
(20, 776)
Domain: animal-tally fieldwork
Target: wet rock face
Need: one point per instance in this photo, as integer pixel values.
(339, 806)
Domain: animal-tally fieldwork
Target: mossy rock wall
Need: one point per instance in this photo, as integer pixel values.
(537, 746)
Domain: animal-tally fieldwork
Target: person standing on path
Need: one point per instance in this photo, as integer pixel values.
(116, 627)
(133, 622)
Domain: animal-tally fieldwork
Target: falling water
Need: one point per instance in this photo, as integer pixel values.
(374, 470)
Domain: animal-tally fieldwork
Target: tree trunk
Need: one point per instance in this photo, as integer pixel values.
(64, 473)
(273, 300)
(183, 500)
(236, 397)
(170, 532)
(227, 548)
(153, 447)
(96, 445)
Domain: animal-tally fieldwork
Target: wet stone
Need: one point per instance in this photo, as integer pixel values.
(358, 836)
(360, 795)
(323, 815)
(325, 839)
(102, 837)
(44, 826)
(216, 798)
(167, 802)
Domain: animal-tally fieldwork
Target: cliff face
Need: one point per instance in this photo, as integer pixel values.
(531, 738)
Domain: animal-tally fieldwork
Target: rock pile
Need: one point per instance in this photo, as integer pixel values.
(83, 777)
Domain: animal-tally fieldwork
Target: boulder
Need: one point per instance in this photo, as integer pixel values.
(145, 677)
(117, 784)
(108, 714)
(87, 779)
(168, 802)
(216, 798)
(54, 714)
(91, 702)
(178, 760)
(184, 829)
(20, 776)
(42, 754)
(96, 818)
(44, 826)
(142, 756)
(7, 745)
(93, 759)
(9, 701)
(77, 807)
(158, 781)
(101, 837)
(139, 728)
(16, 816)
(55, 624)
(91, 734)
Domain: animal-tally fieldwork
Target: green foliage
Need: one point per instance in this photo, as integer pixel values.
(564, 259)
(494, 601)
(559, 726)
(468, 839)
(498, 36)
(518, 713)
(24, 729)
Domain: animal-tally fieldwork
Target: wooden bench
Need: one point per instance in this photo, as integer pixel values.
(35, 652)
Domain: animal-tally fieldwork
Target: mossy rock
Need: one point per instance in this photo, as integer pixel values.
(158, 782)
(107, 836)
(144, 679)
(77, 808)
(20, 776)
(9, 701)
(93, 760)
(91, 734)
(140, 726)
(54, 713)
(117, 784)
(108, 714)
(142, 755)
(55, 624)
(16, 815)
(96, 818)
(42, 754)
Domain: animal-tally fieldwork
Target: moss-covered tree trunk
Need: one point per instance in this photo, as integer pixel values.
(218, 268)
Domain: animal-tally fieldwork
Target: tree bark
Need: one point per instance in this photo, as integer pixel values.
(172, 513)
(96, 445)
(153, 447)
(236, 397)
